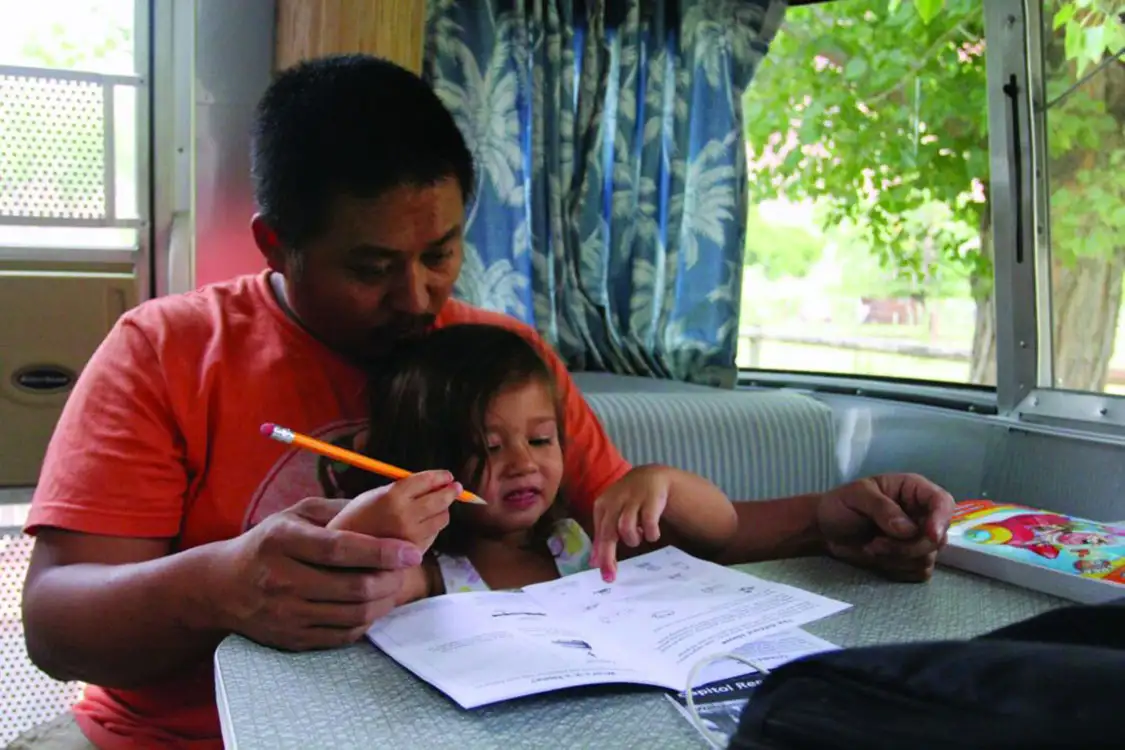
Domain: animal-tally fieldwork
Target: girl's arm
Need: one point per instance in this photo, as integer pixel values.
(654, 506)
(698, 517)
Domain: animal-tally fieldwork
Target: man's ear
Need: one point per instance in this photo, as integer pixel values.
(268, 244)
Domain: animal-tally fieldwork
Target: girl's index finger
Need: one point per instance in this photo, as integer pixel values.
(608, 565)
(603, 554)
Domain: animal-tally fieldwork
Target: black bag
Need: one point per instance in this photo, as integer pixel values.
(1053, 681)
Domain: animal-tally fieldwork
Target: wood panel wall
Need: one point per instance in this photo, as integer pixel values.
(388, 28)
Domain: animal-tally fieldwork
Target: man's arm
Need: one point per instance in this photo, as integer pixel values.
(104, 600)
(775, 529)
(114, 611)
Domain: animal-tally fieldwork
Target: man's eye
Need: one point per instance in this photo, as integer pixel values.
(369, 273)
(437, 257)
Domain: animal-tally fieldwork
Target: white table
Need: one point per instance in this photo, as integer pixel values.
(356, 697)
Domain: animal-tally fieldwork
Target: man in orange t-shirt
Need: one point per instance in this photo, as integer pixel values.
(165, 521)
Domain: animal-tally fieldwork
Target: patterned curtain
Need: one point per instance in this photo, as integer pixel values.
(610, 204)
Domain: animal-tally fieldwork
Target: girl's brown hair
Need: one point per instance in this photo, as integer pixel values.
(429, 400)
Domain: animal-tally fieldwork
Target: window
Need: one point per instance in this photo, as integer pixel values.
(1081, 48)
(69, 136)
(879, 244)
(868, 244)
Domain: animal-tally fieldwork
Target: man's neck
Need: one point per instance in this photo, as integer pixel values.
(277, 284)
(281, 294)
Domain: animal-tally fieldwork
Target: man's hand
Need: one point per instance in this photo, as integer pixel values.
(414, 509)
(893, 523)
(291, 583)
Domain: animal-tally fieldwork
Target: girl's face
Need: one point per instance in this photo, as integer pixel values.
(525, 459)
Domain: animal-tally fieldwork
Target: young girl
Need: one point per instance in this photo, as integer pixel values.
(479, 401)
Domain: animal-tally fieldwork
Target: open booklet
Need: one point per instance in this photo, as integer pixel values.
(666, 611)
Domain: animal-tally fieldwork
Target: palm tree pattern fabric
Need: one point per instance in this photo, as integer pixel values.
(610, 199)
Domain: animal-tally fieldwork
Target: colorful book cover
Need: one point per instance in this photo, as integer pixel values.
(1052, 540)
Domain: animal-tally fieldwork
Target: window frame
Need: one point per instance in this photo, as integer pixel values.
(1019, 203)
(171, 59)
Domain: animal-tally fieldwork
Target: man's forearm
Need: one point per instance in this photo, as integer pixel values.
(775, 529)
(122, 625)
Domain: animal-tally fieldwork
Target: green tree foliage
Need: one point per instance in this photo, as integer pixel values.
(1085, 142)
(925, 229)
(89, 35)
(780, 249)
(878, 109)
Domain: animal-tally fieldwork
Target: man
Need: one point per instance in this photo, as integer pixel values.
(164, 521)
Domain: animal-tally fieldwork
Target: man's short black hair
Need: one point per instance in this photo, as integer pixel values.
(348, 125)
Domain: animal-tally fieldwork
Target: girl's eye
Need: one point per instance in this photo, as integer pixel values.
(542, 441)
(493, 447)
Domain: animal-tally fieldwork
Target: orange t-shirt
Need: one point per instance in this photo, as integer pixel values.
(160, 439)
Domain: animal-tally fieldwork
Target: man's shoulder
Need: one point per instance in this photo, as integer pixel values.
(455, 312)
(201, 313)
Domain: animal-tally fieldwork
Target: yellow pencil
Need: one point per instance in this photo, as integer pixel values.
(285, 435)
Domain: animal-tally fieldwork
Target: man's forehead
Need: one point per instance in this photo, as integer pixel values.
(373, 252)
(378, 251)
(401, 219)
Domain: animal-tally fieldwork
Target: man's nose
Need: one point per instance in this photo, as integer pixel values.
(413, 296)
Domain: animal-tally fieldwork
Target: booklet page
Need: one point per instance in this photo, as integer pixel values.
(666, 611)
(490, 646)
(677, 609)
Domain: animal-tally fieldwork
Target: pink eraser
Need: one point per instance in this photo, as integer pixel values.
(267, 428)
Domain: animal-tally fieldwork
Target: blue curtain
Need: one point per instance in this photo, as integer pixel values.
(610, 205)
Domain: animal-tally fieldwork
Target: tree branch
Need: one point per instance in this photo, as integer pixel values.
(1116, 57)
(924, 60)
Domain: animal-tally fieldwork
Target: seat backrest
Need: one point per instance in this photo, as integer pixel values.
(753, 444)
(27, 695)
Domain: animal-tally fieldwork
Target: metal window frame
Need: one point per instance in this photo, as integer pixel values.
(171, 252)
(142, 57)
(85, 256)
(1085, 411)
(975, 399)
(1011, 167)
